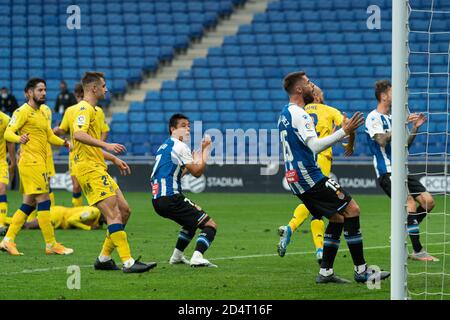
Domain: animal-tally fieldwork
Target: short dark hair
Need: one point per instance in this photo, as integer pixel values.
(78, 90)
(291, 80)
(91, 76)
(33, 82)
(173, 122)
(381, 86)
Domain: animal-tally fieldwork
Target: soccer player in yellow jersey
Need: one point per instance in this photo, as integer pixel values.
(31, 122)
(84, 218)
(65, 127)
(326, 119)
(5, 170)
(97, 185)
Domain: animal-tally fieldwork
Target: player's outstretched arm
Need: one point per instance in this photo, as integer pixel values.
(58, 131)
(348, 127)
(85, 138)
(122, 165)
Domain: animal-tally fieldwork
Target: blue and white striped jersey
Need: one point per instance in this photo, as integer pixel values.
(171, 158)
(296, 126)
(379, 123)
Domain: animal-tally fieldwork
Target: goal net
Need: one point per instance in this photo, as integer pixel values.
(428, 92)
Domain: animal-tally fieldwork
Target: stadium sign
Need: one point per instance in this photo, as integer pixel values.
(355, 178)
(436, 183)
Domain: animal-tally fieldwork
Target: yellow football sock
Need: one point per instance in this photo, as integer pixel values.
(317, 230)
(119, 239)
(45, 222)
(17, 222)
(8, 220)
(52, 198)
(108, 246)
(300, 215)
(32, 216)
(3, 213)
(77, 202)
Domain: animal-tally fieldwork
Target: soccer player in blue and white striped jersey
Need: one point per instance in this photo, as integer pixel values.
(378, 130)
(321, 195)
(173, 159)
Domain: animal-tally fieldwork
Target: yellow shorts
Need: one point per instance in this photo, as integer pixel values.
(324, 164)
(33, 179)
(4, 173)
(51, 167)
(97, 185)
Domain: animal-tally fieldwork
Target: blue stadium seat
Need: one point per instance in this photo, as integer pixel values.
(119, 117)
(119, 127)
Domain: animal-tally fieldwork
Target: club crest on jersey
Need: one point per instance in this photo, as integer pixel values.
(340, 195)
(81, 120)
(292, 176)
(155, 188)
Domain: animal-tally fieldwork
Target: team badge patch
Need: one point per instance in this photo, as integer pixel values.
(291, 176)
(81, 120)
(155, 188)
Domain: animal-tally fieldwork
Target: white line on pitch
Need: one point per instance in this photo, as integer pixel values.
(26, 271)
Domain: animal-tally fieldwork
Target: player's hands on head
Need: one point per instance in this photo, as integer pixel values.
(24, 138)
(115, 148)
(123, 167)
(350, 125)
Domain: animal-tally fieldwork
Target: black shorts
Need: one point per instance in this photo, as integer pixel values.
(325, 199)
(414, 186)
(181, 210)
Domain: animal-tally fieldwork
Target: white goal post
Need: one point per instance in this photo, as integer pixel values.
(399, 149)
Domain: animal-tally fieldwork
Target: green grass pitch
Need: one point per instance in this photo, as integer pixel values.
(244, 250)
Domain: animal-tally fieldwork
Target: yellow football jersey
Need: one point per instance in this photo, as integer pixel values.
(4, 120)
(35, 124)
(86, 158)
(48, 113)
(325, 119)
(101, 119)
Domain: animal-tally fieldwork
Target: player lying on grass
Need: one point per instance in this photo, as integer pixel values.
(321, 195)
(326, 120)
(84, 218)
(378, 129)
(173, 159)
